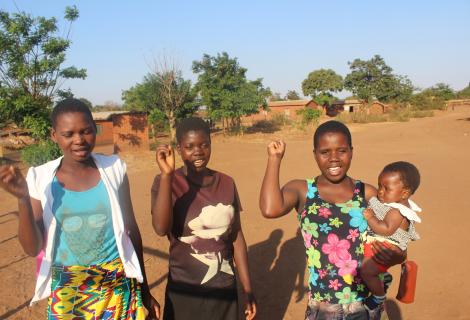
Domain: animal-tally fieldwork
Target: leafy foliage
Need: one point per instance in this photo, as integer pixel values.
(292, 95)
(31, 72)
(441, 91)
(37, 154)
(464, 93)
(224, 89)
(321, 84)
(374, 79)
(165, 95)
(309, 115)
(276, 96)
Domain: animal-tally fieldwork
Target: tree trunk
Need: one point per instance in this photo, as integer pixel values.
(172, 121)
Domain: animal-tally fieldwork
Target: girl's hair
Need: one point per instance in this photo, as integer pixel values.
(191, 124)
(409, 174)
(331, 126)
(67, 106)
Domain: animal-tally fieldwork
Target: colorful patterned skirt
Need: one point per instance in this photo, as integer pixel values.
(94, 292)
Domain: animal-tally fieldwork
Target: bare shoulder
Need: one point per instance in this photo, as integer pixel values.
(369, 191)
(297, 185)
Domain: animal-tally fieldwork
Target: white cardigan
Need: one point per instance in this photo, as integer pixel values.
(112, 171)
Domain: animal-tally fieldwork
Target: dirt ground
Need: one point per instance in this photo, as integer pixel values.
(439, 146)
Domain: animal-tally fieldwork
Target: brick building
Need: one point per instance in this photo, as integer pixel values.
(128, 131)
(356, 105)
(288, 108)
(104, 126)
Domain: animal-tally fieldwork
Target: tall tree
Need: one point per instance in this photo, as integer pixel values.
(440, 90)
(31, 73)
(375, 79)
(164, 94)
(464, 93)
(276, 96)
(292, 95)
(321, 84)
(225, 90)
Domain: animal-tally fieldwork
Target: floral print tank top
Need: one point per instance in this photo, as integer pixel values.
(334, 248)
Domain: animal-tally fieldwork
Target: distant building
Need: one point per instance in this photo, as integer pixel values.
(356, 105)
(104, 126)
(128, 131)
(288, 108)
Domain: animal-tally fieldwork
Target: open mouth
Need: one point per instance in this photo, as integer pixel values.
(334, 171)
(199, 163)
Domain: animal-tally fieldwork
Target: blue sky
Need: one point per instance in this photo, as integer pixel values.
(279, 41)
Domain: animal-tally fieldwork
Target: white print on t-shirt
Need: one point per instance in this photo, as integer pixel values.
(212, 223)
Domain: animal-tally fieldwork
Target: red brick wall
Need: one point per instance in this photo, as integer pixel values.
(104, 133)
(130, 132)
(376, 108)
(289, 111)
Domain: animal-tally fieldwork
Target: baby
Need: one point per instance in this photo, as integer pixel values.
(391, 219)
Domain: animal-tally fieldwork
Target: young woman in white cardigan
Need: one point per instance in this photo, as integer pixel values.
(78, 210)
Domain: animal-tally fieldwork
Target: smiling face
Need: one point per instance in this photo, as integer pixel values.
(392, 189)
(75, 133)
(333, 156)
(195, 150)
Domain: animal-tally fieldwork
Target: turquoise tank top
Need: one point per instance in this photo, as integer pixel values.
(85, 234)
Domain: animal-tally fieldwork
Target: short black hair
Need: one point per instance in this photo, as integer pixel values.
(331, 126)
(191, 124)
(408, 172)
(67, 106)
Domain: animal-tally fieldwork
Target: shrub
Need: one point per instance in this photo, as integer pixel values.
(360, 117)
(400, 114)
(422, 113)
(280, 119)
(422, 101)
(37, 154)
(309, 115)
(264, 126)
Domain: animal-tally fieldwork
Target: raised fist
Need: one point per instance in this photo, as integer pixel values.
(276, 149)
(165, 156)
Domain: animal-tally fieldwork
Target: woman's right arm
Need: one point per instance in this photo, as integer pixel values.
(275, 202)
(162, 204)
(30, 226)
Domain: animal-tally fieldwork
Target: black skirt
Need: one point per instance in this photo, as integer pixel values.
(184, 302)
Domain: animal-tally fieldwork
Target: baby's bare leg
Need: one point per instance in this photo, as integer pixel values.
(370, 274)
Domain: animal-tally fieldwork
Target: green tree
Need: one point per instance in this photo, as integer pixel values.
(375, 79)
(440, 90)
(321, 84)
(292, 95)
(165, 95)
(31, 73)
(464, 93)
(225, 91)
(309, 116)
(276, 96)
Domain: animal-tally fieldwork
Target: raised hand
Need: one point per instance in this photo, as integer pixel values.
(276, 149)
(13, 181)
(165, 156)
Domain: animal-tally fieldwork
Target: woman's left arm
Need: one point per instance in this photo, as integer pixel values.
(241, 262)
(149, 301)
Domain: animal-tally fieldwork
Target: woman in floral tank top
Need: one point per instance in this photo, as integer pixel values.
(330, 215)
